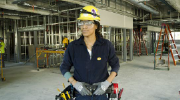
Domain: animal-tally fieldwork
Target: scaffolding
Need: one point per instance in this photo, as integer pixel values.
(47, 53)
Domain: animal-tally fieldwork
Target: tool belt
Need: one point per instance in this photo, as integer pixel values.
(69, 92)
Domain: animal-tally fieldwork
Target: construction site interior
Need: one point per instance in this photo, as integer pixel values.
(144, 33)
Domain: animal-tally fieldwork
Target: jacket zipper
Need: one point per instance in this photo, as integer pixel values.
(91, 58)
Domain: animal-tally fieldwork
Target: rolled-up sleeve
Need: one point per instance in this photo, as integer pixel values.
(67, 60)
(113, 60)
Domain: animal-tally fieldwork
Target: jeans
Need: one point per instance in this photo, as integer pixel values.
(3, 65)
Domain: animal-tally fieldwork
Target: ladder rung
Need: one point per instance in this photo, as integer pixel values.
(177, 59)
(172, 43)
(175, 54)
(143, 50)
(173, 49)
(158, 54)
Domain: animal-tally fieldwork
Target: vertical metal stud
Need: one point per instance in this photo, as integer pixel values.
(131, 44)
(17, 50)
(124, 46)
(45, 31)
(8, 42)
(35, 44)
(60, 33)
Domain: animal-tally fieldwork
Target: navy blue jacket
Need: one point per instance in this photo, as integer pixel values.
(90, 70)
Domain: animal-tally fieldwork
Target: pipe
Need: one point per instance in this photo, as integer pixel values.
(141, 5)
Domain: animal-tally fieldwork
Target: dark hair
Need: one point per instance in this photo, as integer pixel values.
(97, 31)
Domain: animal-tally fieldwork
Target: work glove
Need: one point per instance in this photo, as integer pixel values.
(102, 87)
(80, 87)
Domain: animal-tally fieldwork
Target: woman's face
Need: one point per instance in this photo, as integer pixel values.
(87, 27)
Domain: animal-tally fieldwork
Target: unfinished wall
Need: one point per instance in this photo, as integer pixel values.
(115, 20)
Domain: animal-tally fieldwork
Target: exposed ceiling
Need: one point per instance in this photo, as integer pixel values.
(144, 12)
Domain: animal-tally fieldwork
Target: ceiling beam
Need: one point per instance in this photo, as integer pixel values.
(25, 9)
(83, 3)
(10, 17)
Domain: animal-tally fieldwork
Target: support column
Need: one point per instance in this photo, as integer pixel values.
(52, 41)
(149, 42)
(124, 46)
(35, 44)
(131, 44)
(60, 33)
(152, 42)
(49, 31)
(8, 43)
(17, 44)
(45, 32)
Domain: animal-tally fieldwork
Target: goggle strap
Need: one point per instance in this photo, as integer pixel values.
(85, 11)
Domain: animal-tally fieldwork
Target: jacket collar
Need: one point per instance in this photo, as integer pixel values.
(99, 40)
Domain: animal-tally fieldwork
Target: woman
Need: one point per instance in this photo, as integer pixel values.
(89, 56)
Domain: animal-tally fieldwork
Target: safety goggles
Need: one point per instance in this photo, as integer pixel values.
(87, 23)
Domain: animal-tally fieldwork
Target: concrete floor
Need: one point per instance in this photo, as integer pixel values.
(137, 77)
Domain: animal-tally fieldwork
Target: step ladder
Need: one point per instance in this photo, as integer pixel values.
(163, 35)
(136, 45)
(171, 44)
(141, 43)
(173, 48)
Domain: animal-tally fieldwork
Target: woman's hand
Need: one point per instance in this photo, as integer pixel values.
(79, 86)
(102, 87)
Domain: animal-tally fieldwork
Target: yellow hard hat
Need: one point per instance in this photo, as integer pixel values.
(89, 13)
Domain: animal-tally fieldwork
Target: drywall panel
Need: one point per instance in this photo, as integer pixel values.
(128, 22)
(154, 29)
(115, 20)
